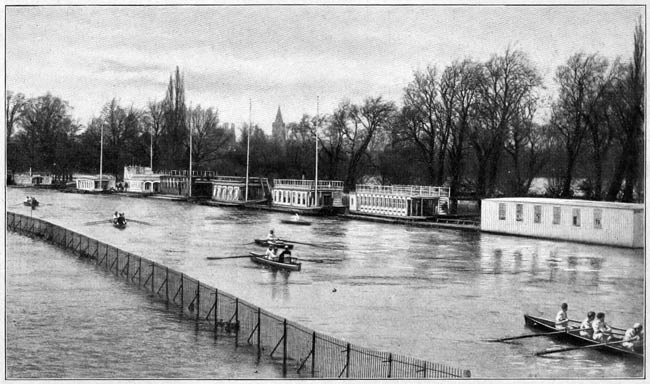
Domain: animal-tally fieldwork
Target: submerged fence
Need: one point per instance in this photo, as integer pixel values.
(292, 345)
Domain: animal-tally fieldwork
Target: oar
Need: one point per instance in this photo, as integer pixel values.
(574, 348)
(227, 257)
(98, 222)
(530, 335)
(298, 242)
(140, 222)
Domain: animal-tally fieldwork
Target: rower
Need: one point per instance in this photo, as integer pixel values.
(285, 253)
(633, 339)
(270, 255)
(296, 217)
(586, 328)
(602, 331)
(562, 319)
(271, 236)
(115, 216)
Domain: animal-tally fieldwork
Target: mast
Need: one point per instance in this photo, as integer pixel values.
(189, 176)
(316, 137)
(248, 146)
(151, 148)
(101, 156)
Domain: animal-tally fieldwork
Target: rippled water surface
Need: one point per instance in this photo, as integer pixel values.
(427, 293)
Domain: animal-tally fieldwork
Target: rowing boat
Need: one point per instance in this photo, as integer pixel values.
(292, 265)
(575, 338)
(120, 224)
(295, 222)
(31, 203)
(280, 244)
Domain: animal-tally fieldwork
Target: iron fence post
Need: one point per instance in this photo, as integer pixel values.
(259, 333)
(167, 285)
(182, 293)
(390, 364)
(153, 288)
(198, 299)
(313, 353)
(216, 311)
(284, 348)
(347, 361)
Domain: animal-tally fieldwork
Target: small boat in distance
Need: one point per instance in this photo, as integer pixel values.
(265, 243)
(295, 220)
(575, 338)
(31, 202)
(119, 222)
(291, 265)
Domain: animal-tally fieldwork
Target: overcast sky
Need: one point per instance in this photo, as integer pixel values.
(283, 55)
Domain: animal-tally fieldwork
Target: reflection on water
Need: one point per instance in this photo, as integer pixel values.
(427, 293)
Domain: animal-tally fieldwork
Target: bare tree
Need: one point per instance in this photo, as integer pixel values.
(582, 83)
(361, 124)
(505, 82)
(14, 109)
(629, 111)
(208, 139)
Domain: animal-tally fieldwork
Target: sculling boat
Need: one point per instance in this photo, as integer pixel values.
(291, 265)
(31, 203)
(296, 222)
(120, 224)
(575, 338)
(265, 243)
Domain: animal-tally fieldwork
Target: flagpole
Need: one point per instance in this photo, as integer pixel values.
(189, 186)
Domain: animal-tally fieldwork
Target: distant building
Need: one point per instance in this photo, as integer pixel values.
(598, 222)
(307, 196)
(279, 129)
(33, 178)
(141, 179)
(94, 183)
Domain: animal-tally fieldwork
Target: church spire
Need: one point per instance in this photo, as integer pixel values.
(278, 117)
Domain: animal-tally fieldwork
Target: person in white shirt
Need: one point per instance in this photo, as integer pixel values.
(586, 328)
(271, 236)
(633, 339)
(562, 319)
(270, 254)
(602, 331)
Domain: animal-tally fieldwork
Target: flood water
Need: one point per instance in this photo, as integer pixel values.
(432, 294)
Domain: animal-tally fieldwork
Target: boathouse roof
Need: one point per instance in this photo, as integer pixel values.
(404, 190)
(570, 202)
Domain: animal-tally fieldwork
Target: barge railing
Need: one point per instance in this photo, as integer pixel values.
(408, 190)
(293, 345)
(308, 184)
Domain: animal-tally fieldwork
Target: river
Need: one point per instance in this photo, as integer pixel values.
(432, 294)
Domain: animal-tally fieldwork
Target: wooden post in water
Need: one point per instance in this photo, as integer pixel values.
(284, 349)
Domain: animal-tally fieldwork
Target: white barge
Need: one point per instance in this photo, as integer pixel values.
(407, 201)
(307, 196)
(597, 222)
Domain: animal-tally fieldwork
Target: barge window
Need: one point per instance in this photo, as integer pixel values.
(520, 212)
(598, 217)
(576, 217)
(502, 211)
(538, 213)
(556, 215)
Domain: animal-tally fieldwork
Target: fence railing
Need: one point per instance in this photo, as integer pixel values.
(294, 346)
(308, 184)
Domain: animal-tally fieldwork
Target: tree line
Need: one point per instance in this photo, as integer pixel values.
(481, 128)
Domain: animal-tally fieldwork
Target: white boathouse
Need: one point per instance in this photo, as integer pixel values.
(141, 179)
(400, 200)
(305, 195)
(91, 183)
(597, 222)
(232, 189)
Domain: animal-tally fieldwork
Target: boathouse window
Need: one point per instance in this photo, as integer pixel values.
(576, 217)
(502, 211)
(520, 212)
(538, 213)
(598, 216)
(556, 215)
